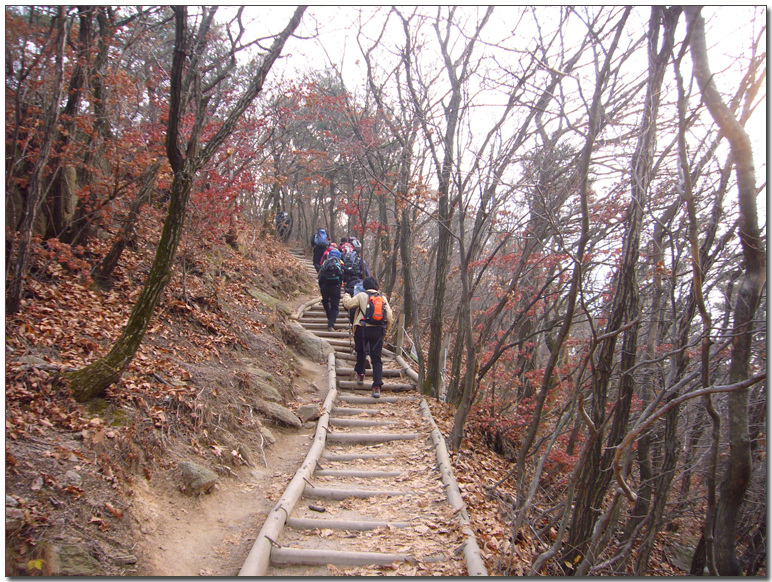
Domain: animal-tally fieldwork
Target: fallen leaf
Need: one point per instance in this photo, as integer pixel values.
(114, 510)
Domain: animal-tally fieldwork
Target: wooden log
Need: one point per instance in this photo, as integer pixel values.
(336, 343)
(412, 374)
(388, 386)
(386, 373)
(357, 474)
(343, 411)
(475, 565)
(323, 557)
(369, 399)
(360, 422)
(332, 335)
(355, 456)
(259, 556)
(370, 437)
(339, 494)
(307, 305)
(342, 524)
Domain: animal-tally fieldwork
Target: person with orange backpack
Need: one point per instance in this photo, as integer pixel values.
(372, 321)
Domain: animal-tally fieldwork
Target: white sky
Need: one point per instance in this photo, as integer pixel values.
(328, 34)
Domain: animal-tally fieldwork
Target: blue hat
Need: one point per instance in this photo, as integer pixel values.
(334, 253)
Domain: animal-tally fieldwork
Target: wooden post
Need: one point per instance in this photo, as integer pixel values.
(400, 333)
(441, 393)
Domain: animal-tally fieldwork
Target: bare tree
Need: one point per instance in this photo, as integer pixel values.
(739, 464)
(94, 379)
(36, 196)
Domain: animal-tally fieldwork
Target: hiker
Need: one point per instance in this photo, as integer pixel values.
(319, 242)
(354, 271)
(372, 321)
(283, 222)
(325, 254)
(345, 246)
(330, 279)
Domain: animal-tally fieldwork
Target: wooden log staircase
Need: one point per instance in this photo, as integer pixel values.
(376, 492)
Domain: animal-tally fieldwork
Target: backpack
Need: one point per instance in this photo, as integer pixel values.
(320, 238)
(331, 270)
(352, 263)
(375, 314)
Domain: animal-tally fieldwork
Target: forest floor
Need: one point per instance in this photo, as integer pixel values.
(96, 488)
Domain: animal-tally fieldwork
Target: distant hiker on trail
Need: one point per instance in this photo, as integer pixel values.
(345, 246)
(330, 279)
(372, 321)
(319, 242)
(354, 272)
(325, 254)
(283, 223)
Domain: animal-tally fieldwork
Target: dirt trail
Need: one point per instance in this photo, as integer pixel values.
(211, 535)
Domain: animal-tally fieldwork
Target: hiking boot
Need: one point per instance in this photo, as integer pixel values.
(376, 391)
(360, 379)
(330, 328)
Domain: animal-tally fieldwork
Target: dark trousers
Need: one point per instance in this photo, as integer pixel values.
(369, 340)
(331, 302)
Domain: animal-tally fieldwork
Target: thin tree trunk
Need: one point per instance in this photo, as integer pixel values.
(739, 463)
(103, 272)
(94, 379)
(35, 192)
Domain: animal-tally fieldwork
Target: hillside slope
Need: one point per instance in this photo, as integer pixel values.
(98, 489)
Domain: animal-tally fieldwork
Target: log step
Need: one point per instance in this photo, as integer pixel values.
(360, 422)
(352, 385)
(357, 474)
(355, 456)
(386, 373)
(333, 335)
(370, 437)
(323, 557)
(336, 343)
(339, 494)
(341, 524)
(369, 399)
(343, 411)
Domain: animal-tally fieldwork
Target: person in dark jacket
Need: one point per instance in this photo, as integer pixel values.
(330, 279)
(353, 275)
(319, 249)
(368, 338)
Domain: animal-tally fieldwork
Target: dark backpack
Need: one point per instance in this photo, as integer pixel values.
(331, 270)
(352, 264)
(375, 314)
(320, 238)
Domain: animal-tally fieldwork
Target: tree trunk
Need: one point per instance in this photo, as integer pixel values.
(93, 380)
(738, 473)
(62, 191)
(103, 272)
(35, 192)
(595, 480)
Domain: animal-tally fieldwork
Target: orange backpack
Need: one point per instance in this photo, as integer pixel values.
(375, 314)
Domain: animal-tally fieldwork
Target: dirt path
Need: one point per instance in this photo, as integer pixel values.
(211, 535)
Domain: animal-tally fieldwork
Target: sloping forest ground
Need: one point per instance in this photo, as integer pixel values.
(95, 489)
